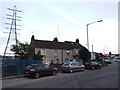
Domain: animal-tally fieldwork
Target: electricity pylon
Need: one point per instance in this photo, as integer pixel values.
(13, 28)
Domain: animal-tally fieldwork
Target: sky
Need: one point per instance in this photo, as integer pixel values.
(66, 20)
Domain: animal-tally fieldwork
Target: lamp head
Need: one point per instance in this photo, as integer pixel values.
(100, 21)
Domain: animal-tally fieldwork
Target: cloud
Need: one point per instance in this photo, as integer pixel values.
(65, 15)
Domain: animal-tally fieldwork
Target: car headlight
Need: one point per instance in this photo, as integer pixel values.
(55, 68)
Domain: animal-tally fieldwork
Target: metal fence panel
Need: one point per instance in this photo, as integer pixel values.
(13, 67)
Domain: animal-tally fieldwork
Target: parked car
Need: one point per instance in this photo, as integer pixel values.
(37, 70)
(72, 67)
(93, 65)
(108, 61)
(116, 59)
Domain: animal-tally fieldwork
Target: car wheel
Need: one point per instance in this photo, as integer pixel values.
(100, 67)
(71, 71)
(93, 68)
(82, 69)
(63, 71)
(37, 75)
(54, 73)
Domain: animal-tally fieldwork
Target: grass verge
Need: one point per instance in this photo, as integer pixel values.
(104, 65)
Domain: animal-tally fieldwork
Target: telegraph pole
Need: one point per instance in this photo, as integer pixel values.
(13, 27)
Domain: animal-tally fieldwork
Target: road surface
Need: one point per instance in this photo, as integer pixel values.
(107, 77)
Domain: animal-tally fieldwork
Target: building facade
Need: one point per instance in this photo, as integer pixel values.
(56, 52)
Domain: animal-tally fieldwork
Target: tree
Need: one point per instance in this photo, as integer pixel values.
(20, 50)
(24, 51)
(99, 56)
(38, 56)
(84, 54)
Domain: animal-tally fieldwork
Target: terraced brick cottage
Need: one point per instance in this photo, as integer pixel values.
(56, 52)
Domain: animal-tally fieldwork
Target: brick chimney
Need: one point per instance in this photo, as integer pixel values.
(77, 41)
(32, 38)
(55, 39)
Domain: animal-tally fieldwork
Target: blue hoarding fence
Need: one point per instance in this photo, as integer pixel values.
(16, 67)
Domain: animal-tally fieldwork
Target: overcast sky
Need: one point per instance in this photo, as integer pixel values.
(65, 20)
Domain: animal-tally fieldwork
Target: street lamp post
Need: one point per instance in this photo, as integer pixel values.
(87, 31)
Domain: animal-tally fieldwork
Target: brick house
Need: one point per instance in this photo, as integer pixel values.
(56, 52)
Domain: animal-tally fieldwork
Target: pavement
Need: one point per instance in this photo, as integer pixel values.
(11, 77)
(15, 76)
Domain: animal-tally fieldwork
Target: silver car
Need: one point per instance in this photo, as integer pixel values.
(72, 67)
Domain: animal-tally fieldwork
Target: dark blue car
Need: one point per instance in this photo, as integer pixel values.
(37, 70)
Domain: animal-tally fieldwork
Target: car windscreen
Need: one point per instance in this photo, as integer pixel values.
(90, 63)
(34, 66)
(31, 66)
(65, 64)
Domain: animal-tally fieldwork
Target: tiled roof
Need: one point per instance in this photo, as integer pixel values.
(55, 45)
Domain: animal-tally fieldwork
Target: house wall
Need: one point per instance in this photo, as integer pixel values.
(67, 55)
(55, 56)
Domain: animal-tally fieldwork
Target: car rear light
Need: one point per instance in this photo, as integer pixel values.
(32, 69)
(68, 66)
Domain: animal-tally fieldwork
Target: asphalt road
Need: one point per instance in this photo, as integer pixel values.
(107, 77)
